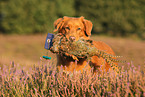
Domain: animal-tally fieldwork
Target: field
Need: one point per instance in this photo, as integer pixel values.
(28, 49)
(20, 77)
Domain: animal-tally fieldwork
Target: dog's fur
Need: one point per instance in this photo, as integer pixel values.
(75, 28)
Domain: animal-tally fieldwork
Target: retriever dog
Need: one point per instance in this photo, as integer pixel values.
(75, 28)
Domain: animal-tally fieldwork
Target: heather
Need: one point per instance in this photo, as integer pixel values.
(44, 80)
(23, 78)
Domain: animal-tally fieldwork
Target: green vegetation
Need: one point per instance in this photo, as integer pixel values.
(110, 17)
(115, 17)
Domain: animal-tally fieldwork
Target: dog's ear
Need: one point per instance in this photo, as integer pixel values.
(88, 26)
(58, 24)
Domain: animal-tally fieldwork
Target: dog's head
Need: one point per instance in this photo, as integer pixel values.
(73, 28)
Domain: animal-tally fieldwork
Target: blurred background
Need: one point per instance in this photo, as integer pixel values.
(25, 23)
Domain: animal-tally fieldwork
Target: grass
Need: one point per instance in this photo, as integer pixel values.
(27, 50)
(20, 77)
(22, 49)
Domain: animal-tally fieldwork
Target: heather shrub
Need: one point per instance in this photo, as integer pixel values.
(45, 80)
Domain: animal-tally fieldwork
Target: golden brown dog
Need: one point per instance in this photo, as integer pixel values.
(75, 28)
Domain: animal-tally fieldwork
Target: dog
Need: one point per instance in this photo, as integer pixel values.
(75, 28)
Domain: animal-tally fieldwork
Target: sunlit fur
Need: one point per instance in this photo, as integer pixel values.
(75, 28)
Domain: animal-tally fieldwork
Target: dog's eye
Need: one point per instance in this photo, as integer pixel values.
(79, 29)
(67, 28)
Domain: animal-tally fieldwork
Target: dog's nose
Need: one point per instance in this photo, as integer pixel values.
(72, 38)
